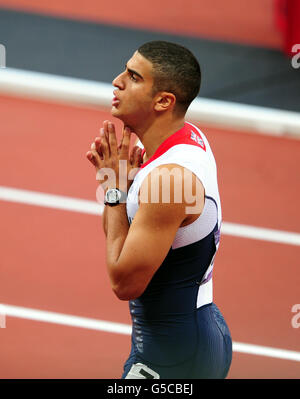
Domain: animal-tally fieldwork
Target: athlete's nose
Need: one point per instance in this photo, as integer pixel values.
(119, 82)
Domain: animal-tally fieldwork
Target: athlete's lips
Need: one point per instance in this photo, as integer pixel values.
(115, 100)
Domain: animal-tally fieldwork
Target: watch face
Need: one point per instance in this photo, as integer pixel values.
(113, 196)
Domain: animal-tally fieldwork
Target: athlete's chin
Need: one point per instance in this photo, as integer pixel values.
(118, 114)
(115, 112)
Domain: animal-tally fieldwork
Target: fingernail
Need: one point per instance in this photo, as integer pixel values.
(102, 131)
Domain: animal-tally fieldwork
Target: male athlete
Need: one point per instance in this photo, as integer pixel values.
(163, 233)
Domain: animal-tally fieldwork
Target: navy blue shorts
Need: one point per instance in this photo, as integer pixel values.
(207, 345)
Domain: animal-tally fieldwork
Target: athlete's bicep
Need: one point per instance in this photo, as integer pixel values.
(148, 242)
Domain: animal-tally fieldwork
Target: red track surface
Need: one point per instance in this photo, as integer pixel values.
(55, 260)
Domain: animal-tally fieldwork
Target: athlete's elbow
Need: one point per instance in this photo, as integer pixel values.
(126, 293)
(124, 285)
(123, 296)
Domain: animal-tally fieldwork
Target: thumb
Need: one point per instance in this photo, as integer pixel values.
(125, 143)
(136, 157)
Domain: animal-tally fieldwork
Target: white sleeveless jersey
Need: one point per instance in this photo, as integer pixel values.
(190, 149)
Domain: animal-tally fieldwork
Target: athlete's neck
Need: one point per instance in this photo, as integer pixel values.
(155, 134)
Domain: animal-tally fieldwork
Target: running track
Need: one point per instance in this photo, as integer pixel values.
(53, 259)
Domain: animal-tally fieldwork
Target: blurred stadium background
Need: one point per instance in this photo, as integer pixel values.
(58, 316)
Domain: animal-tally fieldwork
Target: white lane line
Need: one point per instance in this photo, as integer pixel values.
(260, 233)
(94, 208)
(91, 93)
(125, 329)
(64, 319)
(267, 351)
(50, 201)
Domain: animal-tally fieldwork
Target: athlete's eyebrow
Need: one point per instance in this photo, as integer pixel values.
(133, 72)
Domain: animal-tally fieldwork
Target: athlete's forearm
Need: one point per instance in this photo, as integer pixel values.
(104, 220)
(117, 227)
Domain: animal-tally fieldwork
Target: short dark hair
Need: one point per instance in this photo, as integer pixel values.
(176, 70)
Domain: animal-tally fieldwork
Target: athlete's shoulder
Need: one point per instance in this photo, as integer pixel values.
(194, 136)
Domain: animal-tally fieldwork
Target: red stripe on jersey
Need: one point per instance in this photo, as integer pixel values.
(187, 135)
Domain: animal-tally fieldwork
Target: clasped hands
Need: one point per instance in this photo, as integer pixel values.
(115, 167)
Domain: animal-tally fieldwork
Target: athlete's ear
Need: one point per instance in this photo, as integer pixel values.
(164, 101)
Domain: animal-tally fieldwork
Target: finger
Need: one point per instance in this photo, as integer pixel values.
(95, 144)
(113, 145)
(104, 144)
(125, 143)
(105, 127)
(105, 130)
(90, 156)
(98, 146)
(120, 144)
(132, 154)
(119, 147)
(97, 158)
(131, 157)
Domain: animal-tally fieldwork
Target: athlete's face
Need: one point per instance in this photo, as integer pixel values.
(133, 100)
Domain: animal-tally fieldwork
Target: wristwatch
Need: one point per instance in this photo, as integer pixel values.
(114, 196)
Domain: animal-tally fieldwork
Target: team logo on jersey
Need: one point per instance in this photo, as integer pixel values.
(197, 138)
